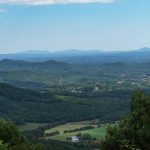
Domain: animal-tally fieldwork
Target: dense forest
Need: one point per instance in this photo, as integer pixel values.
(21, 106)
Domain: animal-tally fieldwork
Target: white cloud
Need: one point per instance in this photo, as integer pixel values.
(48, 2)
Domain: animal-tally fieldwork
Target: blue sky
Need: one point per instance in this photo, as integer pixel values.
(65, 24)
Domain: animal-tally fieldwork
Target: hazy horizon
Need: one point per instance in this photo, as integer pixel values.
(64, 50)
(108, 25)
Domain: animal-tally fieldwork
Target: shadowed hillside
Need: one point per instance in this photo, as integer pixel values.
(21, 105)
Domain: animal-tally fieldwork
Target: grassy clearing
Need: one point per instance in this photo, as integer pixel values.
(71, 126)
(1, 142)
(62, 128)
(99, 133)
(30, 126)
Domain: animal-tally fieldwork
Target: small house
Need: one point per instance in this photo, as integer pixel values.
(75, 139)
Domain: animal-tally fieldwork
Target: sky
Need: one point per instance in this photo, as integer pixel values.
(74, 24)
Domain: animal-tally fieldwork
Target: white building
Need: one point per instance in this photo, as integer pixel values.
(75, 139)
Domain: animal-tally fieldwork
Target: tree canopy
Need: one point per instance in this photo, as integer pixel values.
(133, 132)
(10, 138)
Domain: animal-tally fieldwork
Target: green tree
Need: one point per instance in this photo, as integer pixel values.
(134, 131)
(10, 138)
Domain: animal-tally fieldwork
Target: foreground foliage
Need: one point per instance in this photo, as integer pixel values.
(11, 139)
(133, 132)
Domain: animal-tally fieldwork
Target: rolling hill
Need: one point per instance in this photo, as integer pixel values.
(22, 106)
(40, 75)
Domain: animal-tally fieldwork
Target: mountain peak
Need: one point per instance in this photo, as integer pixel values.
(144, 49)
(34, 52)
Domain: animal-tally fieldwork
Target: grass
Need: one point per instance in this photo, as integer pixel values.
(30, 126)
(99, 133)
(1, 142)
(70, 126)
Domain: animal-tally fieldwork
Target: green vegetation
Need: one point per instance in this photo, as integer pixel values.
(63, 93)
(96, 132)
(11, 139)
(22, 106)
(134, 131)
(59, 77)
(115, 135)
(68, 126)
(30, 126)
(79, 129)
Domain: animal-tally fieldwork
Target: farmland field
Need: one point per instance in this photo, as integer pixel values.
(97, 132)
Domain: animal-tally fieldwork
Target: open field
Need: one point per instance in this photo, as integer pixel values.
(97, 132)
(0, 142)
(30, 126)
(71, 126)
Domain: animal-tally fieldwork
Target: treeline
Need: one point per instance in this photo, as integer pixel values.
(52, 133)
(79, 129)
(86, 138)
(113, 93)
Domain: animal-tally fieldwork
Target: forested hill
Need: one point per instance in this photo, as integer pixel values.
(13, 65)
(23, 95)
(21, 106)
(38, 75)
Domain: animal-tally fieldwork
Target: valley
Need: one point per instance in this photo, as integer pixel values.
(59, 103)
(97, 132)
(66, 131)
(74, 75)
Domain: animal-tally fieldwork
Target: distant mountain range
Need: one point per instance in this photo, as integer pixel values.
(81, 56)
(63, 53)
(37, 52)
